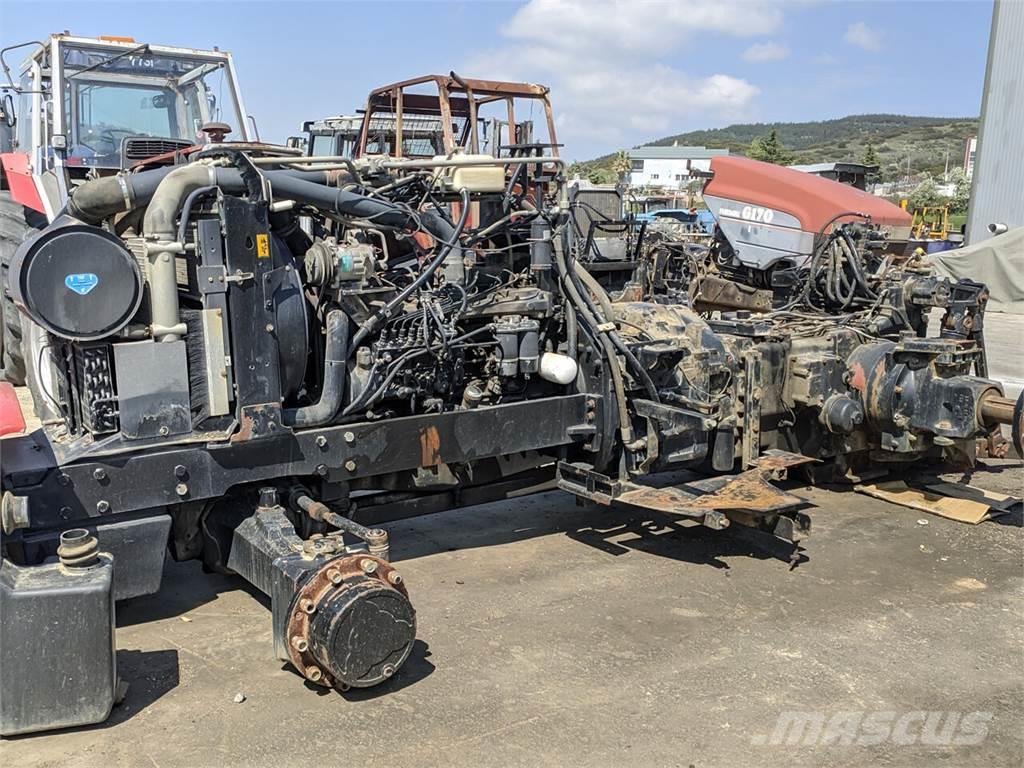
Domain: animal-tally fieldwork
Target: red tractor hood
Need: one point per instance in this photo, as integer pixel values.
(811, 199)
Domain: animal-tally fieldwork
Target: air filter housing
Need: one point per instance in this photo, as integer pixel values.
(77, 281)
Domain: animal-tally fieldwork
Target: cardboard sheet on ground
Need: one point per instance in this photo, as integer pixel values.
(984, 506)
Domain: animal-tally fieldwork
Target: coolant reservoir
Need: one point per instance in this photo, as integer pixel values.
(474, 178)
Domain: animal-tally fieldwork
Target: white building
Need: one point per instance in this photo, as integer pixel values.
(669, 167)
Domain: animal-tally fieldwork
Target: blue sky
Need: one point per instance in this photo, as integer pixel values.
(621, 73)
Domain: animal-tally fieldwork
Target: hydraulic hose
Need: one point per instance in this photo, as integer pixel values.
(598, 291)
(335, 357)
(436, 226)
(625, 426)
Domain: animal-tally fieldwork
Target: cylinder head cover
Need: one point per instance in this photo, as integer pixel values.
(77, 281)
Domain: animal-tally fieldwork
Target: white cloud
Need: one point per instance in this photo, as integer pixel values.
(863, 36)
(769, 51)
(606, 64)
(648, 27)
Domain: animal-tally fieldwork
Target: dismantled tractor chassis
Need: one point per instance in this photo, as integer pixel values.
(253, 361)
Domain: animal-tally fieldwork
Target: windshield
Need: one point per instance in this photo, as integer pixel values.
(110, 96)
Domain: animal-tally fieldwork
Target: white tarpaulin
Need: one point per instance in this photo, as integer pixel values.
(997, 262)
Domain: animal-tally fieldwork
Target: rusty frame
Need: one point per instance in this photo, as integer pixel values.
(456, 97)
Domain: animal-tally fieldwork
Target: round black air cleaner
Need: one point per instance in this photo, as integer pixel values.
(77, 281)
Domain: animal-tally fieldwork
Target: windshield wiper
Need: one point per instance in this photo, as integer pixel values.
(111, 60)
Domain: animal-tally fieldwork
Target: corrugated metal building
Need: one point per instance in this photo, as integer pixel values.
(997, 189)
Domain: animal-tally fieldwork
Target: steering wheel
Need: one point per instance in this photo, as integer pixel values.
(107, 137)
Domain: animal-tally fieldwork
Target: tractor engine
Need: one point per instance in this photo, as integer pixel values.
(252, 361)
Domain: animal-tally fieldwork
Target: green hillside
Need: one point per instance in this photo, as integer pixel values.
(925, 140)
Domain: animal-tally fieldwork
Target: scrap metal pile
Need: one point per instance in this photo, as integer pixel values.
(274, 354)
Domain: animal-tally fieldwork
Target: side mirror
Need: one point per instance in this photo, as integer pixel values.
(7, 110)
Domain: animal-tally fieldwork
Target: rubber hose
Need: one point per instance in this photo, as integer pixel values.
(333, 387)
(590, 282)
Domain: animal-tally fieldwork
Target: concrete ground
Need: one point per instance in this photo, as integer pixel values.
(1003, 334)
(552, 634)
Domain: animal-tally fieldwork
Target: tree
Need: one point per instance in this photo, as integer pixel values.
(870, 159)
(961, 191)
(769, 149)
(870, 155)
(925, 194)
(622, 165)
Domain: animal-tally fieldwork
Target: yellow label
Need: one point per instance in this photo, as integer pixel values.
(262, 246)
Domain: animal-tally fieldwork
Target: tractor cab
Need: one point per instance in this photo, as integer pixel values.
(88, 107)
(440, 114)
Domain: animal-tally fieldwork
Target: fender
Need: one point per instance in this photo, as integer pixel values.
(11, 419)
(20, 180)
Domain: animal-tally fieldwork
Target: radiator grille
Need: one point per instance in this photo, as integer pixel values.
(143, 148)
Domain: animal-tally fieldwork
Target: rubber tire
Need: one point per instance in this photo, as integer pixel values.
(13, 230)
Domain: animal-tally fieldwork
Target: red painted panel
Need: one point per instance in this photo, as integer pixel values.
(19, 179)
(11, 419)
(811, 199)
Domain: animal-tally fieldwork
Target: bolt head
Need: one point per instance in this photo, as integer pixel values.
(334, 577)
(387, 670)
(395, 578)
(307, 606)
(350, 465)
(350, 437)
(99, 474)
(299, 644)
(181, 489)
(321, 441)
(368, 566)
(102, 506)
(164, 431)
(180, 470)
(321, 469)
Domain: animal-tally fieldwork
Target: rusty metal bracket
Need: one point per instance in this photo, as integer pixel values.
(747, 498)
(777, 462)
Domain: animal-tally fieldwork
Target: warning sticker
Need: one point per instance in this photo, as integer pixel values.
(262, 246)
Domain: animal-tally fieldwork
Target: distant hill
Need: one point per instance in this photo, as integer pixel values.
(926, 140)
